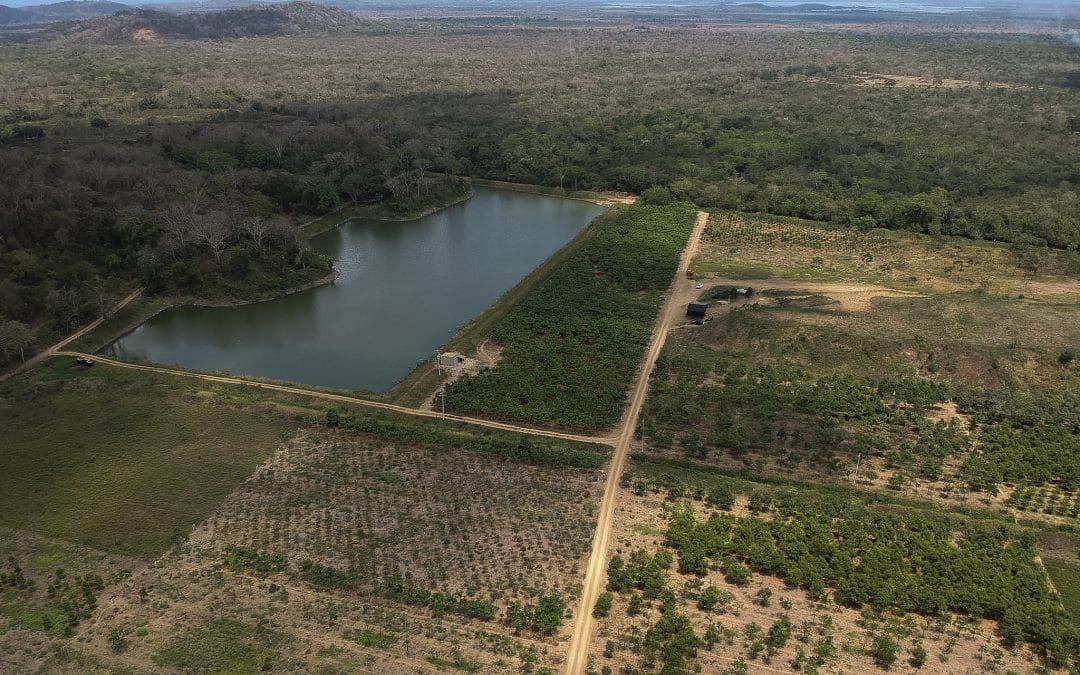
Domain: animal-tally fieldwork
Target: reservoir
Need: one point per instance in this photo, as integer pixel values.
(403, 289)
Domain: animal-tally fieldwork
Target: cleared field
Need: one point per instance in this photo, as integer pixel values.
(349, 550)
(450, 520)
(411, 545)
(915, 368)
(125, 462)
(813, 377)
(747, 246)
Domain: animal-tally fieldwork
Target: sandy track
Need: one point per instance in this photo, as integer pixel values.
(680, 292)
(59, 346)
(223, 379)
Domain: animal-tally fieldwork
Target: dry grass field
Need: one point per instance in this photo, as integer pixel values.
(751, 247)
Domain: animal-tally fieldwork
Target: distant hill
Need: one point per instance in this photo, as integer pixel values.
(70, 10)
(258, 20)
(10, 15)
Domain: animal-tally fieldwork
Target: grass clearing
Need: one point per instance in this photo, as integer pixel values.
(222, 646)
(121, 461)
(749, 246)
(1066, 578)
(49, 589)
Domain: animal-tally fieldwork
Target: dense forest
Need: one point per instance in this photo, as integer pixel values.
(210, 211)
(118, 171)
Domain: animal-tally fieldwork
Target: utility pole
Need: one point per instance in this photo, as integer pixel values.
(442, 397)
(857, 463)
(438, 367)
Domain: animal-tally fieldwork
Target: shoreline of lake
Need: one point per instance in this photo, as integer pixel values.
(175, 302)
(419, 283)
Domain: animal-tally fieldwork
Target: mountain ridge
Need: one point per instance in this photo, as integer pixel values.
(68, 10)
(143, 24)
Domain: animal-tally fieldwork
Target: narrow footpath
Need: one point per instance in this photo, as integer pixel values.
(679, 293)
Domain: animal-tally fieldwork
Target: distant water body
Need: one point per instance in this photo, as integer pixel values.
(403, 289)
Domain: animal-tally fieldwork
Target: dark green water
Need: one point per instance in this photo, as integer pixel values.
(403, 289)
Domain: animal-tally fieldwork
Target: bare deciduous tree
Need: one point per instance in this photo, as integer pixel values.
(15, 338)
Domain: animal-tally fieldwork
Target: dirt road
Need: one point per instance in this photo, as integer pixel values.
(223, 379)
(680, 292)
(56, 348)
(853, 296)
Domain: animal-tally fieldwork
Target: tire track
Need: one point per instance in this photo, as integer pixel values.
(678, 293)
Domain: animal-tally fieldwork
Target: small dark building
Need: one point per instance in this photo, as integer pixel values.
(696, 310)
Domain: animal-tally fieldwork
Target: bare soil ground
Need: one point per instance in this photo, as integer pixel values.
(455, 521)
(639, 523)
(849, 296)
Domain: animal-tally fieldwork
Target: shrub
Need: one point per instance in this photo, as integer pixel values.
(255, 562)
(117, 639)
(918, 657)
(603, 604)
(656, 196)
(885, 650)
(736, 573)
(713, 596)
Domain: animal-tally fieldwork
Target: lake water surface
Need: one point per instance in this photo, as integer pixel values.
(403, 289)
